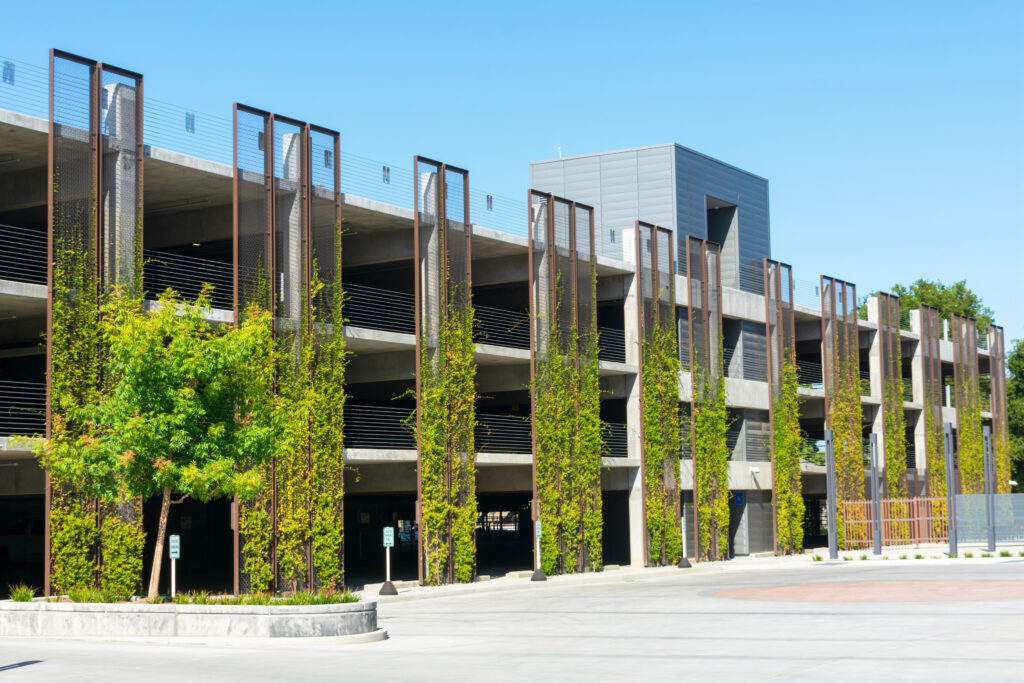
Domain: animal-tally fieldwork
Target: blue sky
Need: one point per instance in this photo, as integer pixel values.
(892, 133)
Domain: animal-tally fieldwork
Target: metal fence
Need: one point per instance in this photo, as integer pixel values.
(972, 519)
(904, 521)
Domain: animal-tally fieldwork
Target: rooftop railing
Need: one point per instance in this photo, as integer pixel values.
(22, 408)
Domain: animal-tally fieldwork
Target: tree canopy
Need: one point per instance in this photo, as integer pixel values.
(186, 406)
(956, 298)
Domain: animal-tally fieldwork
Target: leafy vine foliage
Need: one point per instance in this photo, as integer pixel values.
(662, 443)
(788, 436)
(846, 420)
(447, 420)
(711, 464)
(570, 442)
(971, 455)
(309, 463)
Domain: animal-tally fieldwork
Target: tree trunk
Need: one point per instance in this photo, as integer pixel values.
(158, 551)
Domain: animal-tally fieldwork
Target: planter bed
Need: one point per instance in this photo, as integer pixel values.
(41, 618)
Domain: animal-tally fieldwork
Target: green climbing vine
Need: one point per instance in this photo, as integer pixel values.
(662, 444)
(570, 442)
(447, 420)
(711, 464)
(846, 420)
(122, 541)
(895, 430)
(971, 449)
(73, 536)
(309, 466)
(787, 448)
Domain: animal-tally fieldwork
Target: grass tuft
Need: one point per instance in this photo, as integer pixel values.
(903, 557)
(968, 555)
(918, 556)
(21, 592)
(817, 558)
(1005, 553)
(846, 558)
(863, 557)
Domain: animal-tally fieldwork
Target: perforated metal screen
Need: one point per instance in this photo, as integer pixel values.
(1000, 422)
(892, 382)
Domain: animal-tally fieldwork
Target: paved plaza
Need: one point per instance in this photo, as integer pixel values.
(770, 619)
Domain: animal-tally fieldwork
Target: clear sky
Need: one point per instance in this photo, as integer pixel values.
(892, 133)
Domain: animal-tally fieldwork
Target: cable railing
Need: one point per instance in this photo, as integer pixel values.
(380, 309)
(611, 345)
(501, 327)
(187, 275)
(616, 440)
(22, 408)
(809, 374)
(503, 434)
(24, 254)
(378, 427)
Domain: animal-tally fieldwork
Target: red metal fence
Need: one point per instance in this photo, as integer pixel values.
(905, 521)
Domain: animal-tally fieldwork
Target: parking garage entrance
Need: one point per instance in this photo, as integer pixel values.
(504, 538)
(365, 519)
(206, 545)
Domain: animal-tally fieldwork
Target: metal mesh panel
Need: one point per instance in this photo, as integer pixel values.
(892, 361)
(839, 336)
(1000, 423)
(457, 236)
(697, 311)
(430, 253)
(565, 283)
(121, 177)
(253, 206)
(585, 273)
(289, 220)
(780, 344)
(931, 330)
(541, 282)
(325, 223)
(967, 395)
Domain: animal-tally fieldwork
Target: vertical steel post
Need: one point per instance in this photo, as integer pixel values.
(990, 493)
(830, 477)
(876, 503)
(947, 433)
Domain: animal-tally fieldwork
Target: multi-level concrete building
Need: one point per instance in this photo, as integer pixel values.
(196, 182)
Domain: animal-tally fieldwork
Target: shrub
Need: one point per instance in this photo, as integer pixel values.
(968, 555)
(986, 554)
(863, 557)
(817, 558)
(918, 556)
(89, 594)
(846, 558)
(1005, 553)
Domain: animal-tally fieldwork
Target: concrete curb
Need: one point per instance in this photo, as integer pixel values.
(131, 620)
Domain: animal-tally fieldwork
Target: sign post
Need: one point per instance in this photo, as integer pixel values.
(538, 573)
(947, 442)
(389, 542)
(830, 487)
(990, 487)
(175, 552)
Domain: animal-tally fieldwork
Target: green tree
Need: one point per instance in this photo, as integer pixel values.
(1015, 412)
(956, 298)
(186, 407)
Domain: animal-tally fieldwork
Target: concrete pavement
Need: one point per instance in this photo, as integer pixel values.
(627, 625)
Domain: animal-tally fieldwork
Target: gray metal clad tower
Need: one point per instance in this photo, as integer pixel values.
(673, 186)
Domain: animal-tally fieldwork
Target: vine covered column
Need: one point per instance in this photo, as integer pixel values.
(660, 437)
(1000, 422)
(709, 417)
(894, 428)
(445, 374)
(967, 392)
(841, 371)
(568, 435)
(94, 216)
(784, 408)
(935, 461)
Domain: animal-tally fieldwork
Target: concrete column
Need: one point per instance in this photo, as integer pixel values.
(634, 416)
(119, 190)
